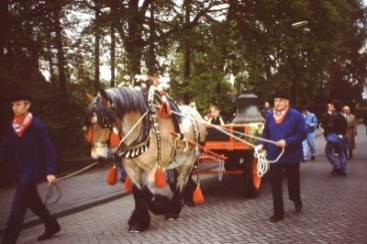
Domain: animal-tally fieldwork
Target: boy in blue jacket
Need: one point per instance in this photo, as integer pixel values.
(28, 150)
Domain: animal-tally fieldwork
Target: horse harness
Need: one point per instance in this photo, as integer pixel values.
(105, 119)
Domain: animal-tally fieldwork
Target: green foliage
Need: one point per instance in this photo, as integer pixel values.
(209, 81)
(65, 119)
(276, 55)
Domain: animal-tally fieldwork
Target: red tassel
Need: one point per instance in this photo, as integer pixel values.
(89, 137)
(198, 197)
(128, 185)
(160, 178)
(112, 176)
(165, 110)
(114, 139)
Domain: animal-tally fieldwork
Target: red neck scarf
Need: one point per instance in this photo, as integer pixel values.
(21, 123)
(279, 116)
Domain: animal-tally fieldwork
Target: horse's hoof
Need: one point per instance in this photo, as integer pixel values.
(170, 217)
(137, 228)
(134, 231)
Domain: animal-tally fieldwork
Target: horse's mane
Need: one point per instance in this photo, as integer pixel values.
(126, 99)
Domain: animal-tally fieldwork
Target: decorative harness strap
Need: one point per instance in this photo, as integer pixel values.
(153, 119)
(135, 151)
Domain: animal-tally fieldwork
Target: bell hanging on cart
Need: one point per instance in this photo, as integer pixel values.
(247, 109)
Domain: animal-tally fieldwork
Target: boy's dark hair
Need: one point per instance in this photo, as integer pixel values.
(337, 105)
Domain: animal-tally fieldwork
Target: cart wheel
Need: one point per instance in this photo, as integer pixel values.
(172, 179)
(251, 179)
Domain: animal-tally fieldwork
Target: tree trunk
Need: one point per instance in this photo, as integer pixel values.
(187, 55)
(151, 64)
(4, 33)
(133, 42)
(113, 20)
(61, 62)
(49, 58)
(97, 83)
(113, 56)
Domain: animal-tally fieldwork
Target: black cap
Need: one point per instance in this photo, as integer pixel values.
(19, 96)
(281, 93)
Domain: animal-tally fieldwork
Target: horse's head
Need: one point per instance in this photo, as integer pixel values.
(116, 113)
(100, 122)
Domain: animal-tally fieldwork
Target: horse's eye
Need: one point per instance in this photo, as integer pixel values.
(94, 118)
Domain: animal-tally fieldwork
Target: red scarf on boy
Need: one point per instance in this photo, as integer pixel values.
(21, 123)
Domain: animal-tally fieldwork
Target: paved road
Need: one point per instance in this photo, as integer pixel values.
(334, 210)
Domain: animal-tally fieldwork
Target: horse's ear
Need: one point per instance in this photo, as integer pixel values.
(89, 97)
(105, 97)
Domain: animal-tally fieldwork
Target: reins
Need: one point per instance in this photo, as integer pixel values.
(263, 162)
(58, 189)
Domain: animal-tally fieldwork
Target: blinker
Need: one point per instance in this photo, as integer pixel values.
(89, 136)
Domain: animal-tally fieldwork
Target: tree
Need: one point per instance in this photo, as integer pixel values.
(275, 55)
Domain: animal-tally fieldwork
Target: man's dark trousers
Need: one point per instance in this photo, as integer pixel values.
(276, 174)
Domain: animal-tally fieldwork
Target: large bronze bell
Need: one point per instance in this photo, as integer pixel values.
(247, 109)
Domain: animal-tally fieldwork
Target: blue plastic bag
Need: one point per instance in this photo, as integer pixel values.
(336, 139)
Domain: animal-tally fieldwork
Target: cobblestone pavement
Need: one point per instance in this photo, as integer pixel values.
(334, 210)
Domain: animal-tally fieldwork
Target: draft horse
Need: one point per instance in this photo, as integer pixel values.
(126, 112)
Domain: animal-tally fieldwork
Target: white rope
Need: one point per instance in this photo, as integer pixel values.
(220, 169)
(263, 162)
(225, 131)
(130, 131)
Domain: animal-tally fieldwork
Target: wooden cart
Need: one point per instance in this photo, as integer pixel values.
(240, 156)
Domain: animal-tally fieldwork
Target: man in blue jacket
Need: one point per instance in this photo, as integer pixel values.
(311, 125)
(286, 127)
(31, 156)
